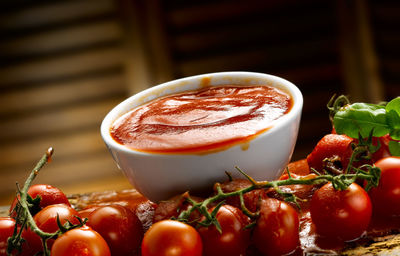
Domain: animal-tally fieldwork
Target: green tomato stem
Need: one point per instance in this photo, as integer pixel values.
(24, 215)
(340, 182)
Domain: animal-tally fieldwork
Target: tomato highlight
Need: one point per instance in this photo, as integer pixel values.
(171, 238)
(80, 241)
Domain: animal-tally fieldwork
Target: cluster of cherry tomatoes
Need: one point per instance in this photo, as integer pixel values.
(276, 233)
(330, 208)
(116, 230)
(340, 215)
(112, 229)
(347, 214)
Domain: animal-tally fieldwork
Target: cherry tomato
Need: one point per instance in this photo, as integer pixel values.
(48, 195)
(85, 213)
(7, 225)
(119, 226)
(171, 238)
(386, 197)
(80, 241)
(335, 147)
(46, 220)
(343, 214)
(299, 167)
(234, 238)
(277, 228)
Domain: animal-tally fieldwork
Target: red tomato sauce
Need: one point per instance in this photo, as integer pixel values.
(208, 119)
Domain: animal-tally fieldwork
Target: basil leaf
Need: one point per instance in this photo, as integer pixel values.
(393, 117)
(394, 148)
(393, 120)
(361, 118)
(394, 105)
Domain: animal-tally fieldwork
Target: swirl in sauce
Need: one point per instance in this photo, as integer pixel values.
(203, 120)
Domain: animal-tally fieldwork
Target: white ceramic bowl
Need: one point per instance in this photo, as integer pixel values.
(160, 176)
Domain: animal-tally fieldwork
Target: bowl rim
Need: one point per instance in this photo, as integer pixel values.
(151, 93)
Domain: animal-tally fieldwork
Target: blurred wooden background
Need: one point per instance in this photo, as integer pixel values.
(64, 64)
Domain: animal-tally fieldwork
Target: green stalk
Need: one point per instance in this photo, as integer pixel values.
(25, 218)
(339, 182)
(24, 215)
(24, 194)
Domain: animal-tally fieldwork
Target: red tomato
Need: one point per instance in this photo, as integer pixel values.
(80, 241)
(234, 238)
(277, 228)
(171, 238)
(85, 213)
(335, 147)
(386, 197)
(342, 214)
(7, 225)
(119, 226)
(46, 220)
(299, 167)
(48, 195)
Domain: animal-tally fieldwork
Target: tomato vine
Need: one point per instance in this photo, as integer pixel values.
(342, 181)
(24, 216)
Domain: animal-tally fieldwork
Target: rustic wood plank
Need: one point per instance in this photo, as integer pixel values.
(141, 55)
(61, 66)
(386, 11)
(383, 246)
(278, 55)
(87, 167)
(66, 146)
(63, 173)
(71, 118)
(390, 64)
(357, 51)
(392, 91)
(61, 93)
(62, 39)
(303, 74)
(158, 42)
(57, 12)
(388, 41)
(220, 10)
(249, 33)
(309, 76)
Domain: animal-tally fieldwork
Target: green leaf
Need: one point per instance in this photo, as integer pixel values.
(393, 120)
(393, 117)
(361, 118)
(394, 105)
(394, 148)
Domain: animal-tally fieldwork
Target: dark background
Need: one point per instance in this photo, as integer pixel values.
(64, 64)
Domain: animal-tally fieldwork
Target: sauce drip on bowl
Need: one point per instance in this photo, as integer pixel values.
(208, 119)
